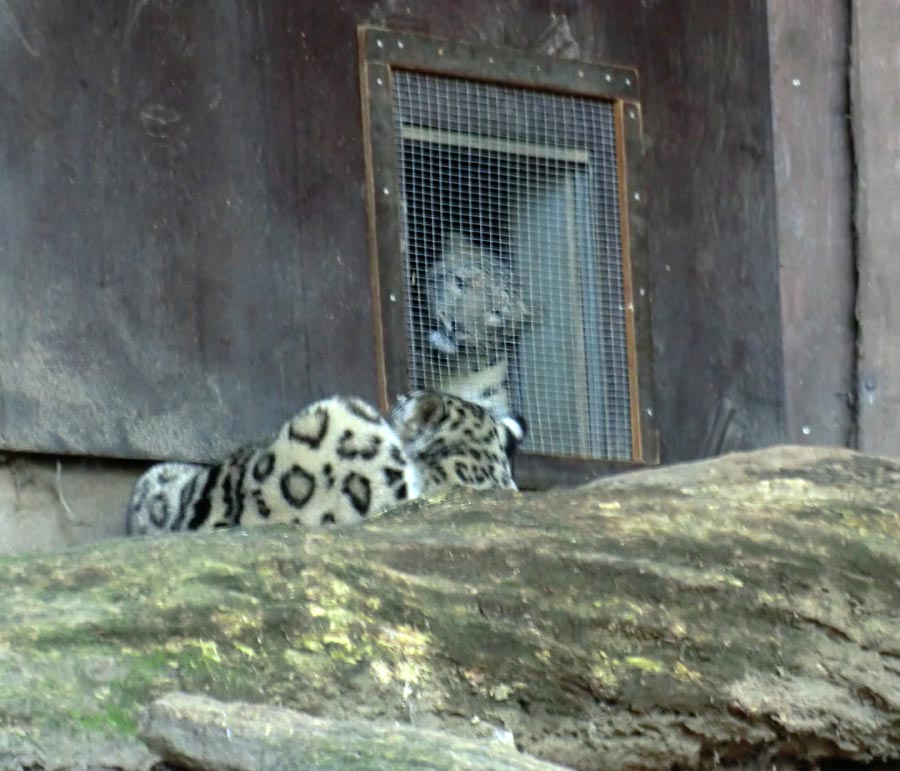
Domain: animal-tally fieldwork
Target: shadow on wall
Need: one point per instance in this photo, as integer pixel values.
(51, 503)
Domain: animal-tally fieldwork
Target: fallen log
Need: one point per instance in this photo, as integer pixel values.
(697, 615)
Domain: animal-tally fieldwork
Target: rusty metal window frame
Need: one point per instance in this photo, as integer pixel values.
(384, 52)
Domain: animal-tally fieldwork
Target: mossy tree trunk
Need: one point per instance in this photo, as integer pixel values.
(690, 615)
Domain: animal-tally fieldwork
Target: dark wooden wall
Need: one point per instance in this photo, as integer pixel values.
(717, 321)
(182, 228)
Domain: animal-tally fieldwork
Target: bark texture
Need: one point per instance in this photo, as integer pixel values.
(691, 615)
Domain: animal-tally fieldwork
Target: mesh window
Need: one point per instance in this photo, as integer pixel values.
(513, 257)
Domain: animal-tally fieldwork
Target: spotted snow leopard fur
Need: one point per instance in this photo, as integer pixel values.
(335, 462)
(486, 384)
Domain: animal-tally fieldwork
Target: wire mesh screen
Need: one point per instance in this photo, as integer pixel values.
(513, 257)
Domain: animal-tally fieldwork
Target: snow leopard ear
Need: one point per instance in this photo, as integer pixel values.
(416, 412)
(428, 409)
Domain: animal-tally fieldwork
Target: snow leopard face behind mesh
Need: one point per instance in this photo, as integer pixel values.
(336, 462)
(474, 301)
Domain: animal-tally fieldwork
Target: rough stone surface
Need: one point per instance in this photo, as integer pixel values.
(202, 733)
(688, 616)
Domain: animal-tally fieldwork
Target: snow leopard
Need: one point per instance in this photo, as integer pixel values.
(478, 312)
(338, 461)
(484, 384)
(474, 299)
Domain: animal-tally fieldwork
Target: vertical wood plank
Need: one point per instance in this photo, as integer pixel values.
(875, 89)
(809, 54)
(711, 214)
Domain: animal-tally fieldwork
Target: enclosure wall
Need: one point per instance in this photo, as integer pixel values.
(182, 224)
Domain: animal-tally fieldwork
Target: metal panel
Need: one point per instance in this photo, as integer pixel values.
(468, 60)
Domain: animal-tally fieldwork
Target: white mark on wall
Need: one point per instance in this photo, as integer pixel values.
(158, 119)
(136, 7)
(13, 23)
(556, 39)
(214, 96)
(165, 124)
(59, 494)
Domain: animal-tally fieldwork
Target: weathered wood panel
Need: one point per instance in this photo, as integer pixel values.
(809, 49)
(182, 207)
(182, 236)
(876, 115)
(711, 201)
